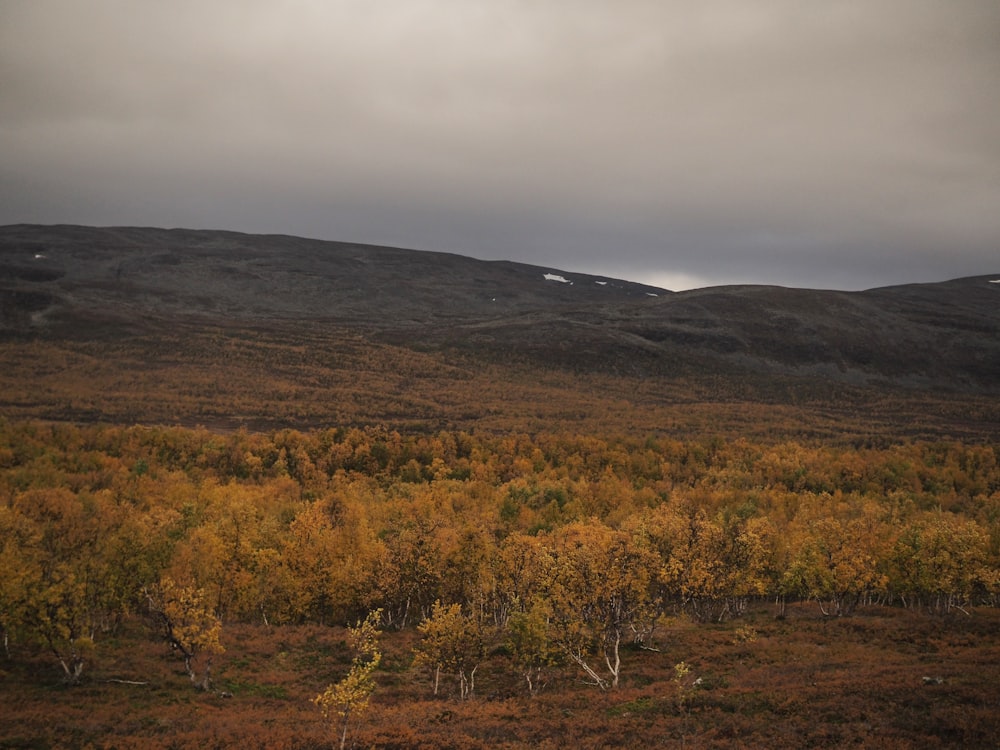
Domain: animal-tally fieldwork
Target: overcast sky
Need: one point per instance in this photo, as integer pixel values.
(830, 144)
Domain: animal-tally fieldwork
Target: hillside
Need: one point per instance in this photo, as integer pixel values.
(225, 328)
(592, 513)
(126, 272)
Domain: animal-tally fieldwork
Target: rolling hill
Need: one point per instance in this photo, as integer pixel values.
(227, 329)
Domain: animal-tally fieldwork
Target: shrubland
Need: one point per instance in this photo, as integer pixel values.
(600, 589)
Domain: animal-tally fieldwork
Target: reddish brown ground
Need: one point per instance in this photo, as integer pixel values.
(804, 682)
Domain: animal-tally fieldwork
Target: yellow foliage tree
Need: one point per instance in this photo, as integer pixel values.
(52, 589)
(188, 624)
(530, 644)
(599, 590)
(347, 699)
(837, 564)
(452, 642)
(942, 560)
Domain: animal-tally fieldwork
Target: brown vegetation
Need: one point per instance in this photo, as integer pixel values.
(560, 516)
(311, 377)
(802, 681)
(721, 591)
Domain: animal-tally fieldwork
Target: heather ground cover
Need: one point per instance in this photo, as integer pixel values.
(883, 677)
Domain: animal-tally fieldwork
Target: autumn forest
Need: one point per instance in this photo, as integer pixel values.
(512, 566)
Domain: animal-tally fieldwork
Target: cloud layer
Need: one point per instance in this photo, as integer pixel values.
(844, 144)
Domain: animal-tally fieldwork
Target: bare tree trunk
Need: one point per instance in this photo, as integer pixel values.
(535, 677)
(72, 669)
(582, 662)
(467, 683)
(206, 683)
(72, 665)
(612, 658)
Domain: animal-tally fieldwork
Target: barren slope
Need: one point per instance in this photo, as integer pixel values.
(215, 318)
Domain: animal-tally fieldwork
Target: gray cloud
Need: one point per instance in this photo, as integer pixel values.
(843, 144)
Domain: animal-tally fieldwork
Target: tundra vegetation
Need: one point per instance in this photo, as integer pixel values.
(508, 589)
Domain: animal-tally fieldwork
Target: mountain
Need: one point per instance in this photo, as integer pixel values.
(63, 272)
(159, 297)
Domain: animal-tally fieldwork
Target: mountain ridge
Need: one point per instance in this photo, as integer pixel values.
(167, 292)
(51, 276)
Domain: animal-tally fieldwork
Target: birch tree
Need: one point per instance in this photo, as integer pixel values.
(188, 624)
(599, 591)
(346, 700)
(452, 643)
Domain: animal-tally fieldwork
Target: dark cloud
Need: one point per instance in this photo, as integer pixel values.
(844, 144)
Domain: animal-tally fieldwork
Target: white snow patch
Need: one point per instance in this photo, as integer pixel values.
(652, 294)
(995, 281)
(557, 277)
(39, 256)
(601, 283)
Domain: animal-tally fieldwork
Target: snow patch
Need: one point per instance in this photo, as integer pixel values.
(601, 283)
(995, 281)
(39, 256)
(557, 277)
(652, 294)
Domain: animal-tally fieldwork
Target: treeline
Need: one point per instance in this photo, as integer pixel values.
(560, 545)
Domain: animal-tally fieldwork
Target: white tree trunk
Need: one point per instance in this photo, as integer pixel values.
(612, 658)
(582, 662)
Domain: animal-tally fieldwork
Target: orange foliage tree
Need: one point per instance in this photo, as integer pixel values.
(188, 624)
